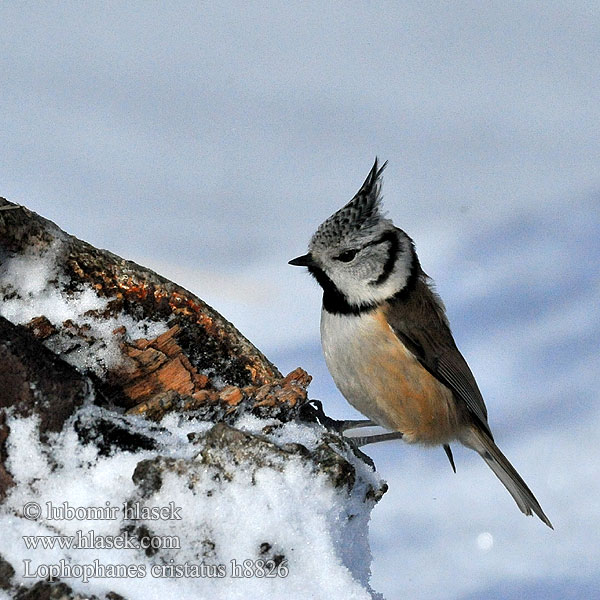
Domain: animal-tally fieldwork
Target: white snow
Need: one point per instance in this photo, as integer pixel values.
(322, 531)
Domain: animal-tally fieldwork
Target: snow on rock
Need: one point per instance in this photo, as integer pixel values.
(32, 284)
(102, 313)
(245, 514)
(148, 450)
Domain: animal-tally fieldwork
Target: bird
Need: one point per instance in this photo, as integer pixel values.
(387, 341)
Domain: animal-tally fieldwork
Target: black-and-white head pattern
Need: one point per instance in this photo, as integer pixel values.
(358, 256)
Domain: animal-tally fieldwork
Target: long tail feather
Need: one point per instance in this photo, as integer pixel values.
(479, 441)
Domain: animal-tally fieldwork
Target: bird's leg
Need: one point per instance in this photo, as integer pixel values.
(377, 437)
(355, 424)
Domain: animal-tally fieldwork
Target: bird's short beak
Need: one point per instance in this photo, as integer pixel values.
(302, 261)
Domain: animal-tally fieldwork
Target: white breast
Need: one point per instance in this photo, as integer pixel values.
(346, 340)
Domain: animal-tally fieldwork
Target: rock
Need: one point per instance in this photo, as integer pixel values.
(111, 432)
(136, 384)
(44, 590)
(228, 450)
(34, 381)
(31, 375)
(201, 348)
(6, 574)
(200, 364)
(282, 399)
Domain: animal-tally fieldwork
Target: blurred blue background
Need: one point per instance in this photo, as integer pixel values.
(208, 141)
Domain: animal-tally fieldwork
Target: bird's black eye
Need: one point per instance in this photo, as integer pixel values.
(346, 256)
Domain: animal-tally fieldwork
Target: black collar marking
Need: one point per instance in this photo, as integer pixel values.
(334, 301)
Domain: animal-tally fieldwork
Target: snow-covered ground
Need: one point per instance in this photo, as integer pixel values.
(300, 536)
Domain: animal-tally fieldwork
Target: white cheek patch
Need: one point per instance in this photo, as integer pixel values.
(362, 291)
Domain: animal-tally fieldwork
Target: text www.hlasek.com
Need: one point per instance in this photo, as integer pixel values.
(92, 541)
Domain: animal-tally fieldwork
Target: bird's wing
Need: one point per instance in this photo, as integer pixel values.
(423, 329)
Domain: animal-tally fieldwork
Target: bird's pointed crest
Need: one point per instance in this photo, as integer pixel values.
(361, 212)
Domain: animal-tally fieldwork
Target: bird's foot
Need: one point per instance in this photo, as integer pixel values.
(359, 453)
(315, 409)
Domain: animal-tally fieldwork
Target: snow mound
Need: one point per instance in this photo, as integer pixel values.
(226, 512)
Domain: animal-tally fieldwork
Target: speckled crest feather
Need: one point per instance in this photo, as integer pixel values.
(362, 212)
